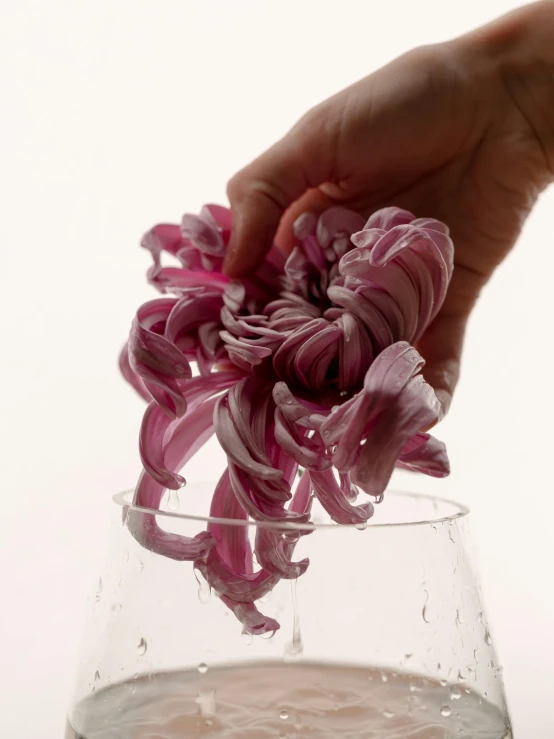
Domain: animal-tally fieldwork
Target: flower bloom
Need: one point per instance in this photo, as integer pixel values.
(309, 363)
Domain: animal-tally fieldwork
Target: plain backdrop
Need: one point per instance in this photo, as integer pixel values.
(117, 114)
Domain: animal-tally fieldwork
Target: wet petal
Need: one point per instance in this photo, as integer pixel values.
(334, 501)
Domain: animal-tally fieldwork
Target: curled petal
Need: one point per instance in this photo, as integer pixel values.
(388, 218)
(239, 447)
(365, 311)
(234, 585)
(203, 235)
(163, 237)
(274, 555)
(218, 217)
(154, 426)
(296, 411)
(253, 621)
(424, 453)
(145, 530)
(233, 543)
(244, 487)
(132, 378)
(332, 498)
(416, 408)
(307, 452)
(335, 222)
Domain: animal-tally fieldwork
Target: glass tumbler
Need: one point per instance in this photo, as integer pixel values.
(383, 637)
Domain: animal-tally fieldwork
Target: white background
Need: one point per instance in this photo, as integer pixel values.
(117, 114)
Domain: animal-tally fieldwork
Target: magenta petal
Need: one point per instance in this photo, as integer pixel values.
(296, 411)
(163, 237)
(416, 408)
(334, 501)
(145, 530)
(204, 235)
(154, 426)
(244, 487)
(218, 216)
(305, 225)
(132, 378)
(232, 540)
(337, 221)
(244, 588)
(424, 453)
(273, 555)
(151, 348)
(307, 452)
(235, 447)
(388, 218)
(253, 621)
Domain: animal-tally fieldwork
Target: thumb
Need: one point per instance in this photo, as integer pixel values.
(261, 192)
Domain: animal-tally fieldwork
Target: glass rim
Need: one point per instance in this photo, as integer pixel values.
(459, 510)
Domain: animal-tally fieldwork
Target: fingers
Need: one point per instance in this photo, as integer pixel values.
(312, 201)
(261, 193)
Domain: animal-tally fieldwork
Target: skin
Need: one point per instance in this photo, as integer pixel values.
(461, 131)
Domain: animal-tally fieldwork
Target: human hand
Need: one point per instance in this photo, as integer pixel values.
(461, 131)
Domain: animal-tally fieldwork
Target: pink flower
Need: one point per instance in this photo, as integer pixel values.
(307, 364)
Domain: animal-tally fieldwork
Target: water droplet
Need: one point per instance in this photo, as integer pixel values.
(408, 655)
(334, 409)
(283, 713)
(204, 591)
(268, 635)
(142, 647)
(461, 676)
(343, 393)
(202, 668)
(173, 500)
(362, 526)
(99, 591)
(291, 537)
(488, 638)
(459, 618)
(443, 683)
(455, 693)
(446, 711)
(384, 678)
(424, 615)
(206, 702)
(96, 676)
(388, 714)
(294, 648)
(246, 638)
(414, 688)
